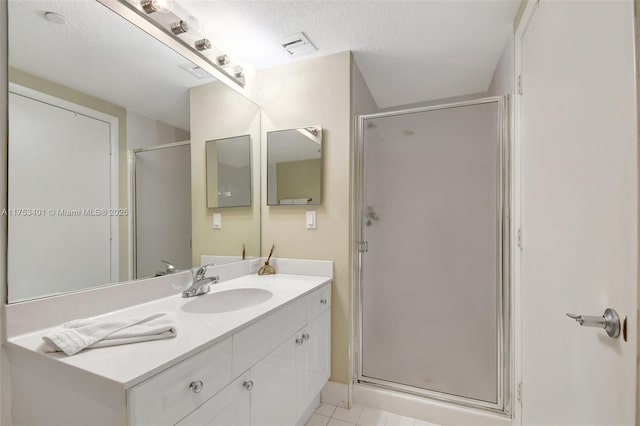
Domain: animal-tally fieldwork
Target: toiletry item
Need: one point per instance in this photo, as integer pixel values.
(267, 269)
(244, 253)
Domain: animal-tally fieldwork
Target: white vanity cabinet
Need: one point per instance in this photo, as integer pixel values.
(287, 380)
(312, 360)
(230, 407)
(274, 369)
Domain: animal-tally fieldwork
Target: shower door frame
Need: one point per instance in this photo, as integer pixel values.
(504, 238)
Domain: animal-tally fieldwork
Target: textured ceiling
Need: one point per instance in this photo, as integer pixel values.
(99, 53)
(408, 51)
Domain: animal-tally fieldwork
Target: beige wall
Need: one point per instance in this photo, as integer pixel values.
(71, 95)
(299, 179)
(218, 112)
(303, 94)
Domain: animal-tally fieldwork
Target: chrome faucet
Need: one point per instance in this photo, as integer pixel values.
(201, 284)
(169, 269)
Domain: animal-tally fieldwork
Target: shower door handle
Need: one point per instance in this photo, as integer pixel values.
(610, 321)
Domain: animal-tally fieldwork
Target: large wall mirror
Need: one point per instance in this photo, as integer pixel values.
(294, 166)
(107, 132)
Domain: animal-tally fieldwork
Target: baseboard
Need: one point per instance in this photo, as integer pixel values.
(310, 410)
(337, 394)
(425, 409)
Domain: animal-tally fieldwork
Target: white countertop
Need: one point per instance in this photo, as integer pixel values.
(128, 365)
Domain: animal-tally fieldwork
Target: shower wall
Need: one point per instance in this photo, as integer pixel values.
(430, 282)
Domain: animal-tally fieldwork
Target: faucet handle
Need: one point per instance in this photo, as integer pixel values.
(202, 271)
(170, 269)
(190, 292)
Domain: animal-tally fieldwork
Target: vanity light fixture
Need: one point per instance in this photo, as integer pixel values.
(223, 60)
(314, 133)
(177, 22)
(202, 44)
(180, 27)
(149, 6)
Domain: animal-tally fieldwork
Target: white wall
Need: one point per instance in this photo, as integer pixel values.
(303, 94)
(362, 101)
(143, 132)
(502, 81)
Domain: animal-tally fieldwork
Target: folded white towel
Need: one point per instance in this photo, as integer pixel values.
(77, 335)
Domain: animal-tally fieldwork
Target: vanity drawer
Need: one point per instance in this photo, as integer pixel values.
(319, 301)
(171, 395)
(256, 341)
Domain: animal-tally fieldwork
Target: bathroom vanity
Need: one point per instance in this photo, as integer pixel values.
(254, 351)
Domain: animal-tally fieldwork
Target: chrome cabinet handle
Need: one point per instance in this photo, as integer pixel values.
(299, 341)
(323, 301)
(248, 385)
(305, 336)
(610, 321)
(196, 386)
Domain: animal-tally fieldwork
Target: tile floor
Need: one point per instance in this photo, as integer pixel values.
(330, 415)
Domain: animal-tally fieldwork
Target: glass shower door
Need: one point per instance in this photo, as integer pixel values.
(432, 305)
(162, 188)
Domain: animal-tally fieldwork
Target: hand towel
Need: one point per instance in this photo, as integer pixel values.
(76, 335)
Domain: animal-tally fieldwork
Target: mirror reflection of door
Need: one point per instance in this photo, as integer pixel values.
(162, 208)
(294, 166)
(59, 176)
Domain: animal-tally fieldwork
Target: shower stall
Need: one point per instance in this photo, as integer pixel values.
(432, 252)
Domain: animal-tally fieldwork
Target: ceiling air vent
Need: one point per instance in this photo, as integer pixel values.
(297, 44)
(195, 71)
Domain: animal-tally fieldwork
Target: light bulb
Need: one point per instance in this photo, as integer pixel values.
(165, 6)
(203, 44)
(223, 60)
(179, 27)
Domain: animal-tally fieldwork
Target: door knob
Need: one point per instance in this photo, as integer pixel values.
(610, 321)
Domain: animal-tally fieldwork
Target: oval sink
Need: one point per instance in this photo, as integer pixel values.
(227, 300)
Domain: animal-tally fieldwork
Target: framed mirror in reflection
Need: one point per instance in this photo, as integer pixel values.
(229, 172)
(92, 95)
(294, 166)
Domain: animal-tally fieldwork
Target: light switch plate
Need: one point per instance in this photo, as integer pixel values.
(311, 220)
(217, 221)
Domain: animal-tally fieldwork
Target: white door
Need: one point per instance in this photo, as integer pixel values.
(579, 212)
(59, 163)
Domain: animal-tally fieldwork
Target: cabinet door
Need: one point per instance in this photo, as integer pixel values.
(230, 407)
(313, 361)
(274, 386)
